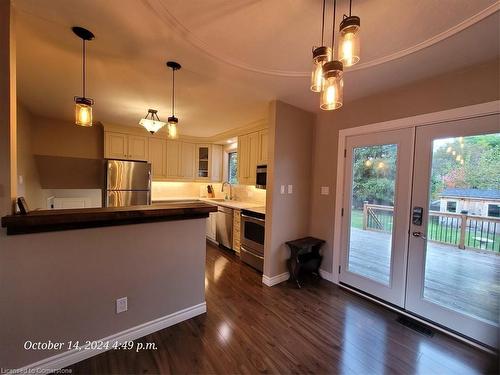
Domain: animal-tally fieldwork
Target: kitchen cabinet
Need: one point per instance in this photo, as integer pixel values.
(203, 156)
(125, 146)
(263, 146)
(248, 155)
(216, 163)
(157, 148)
(236, 230)
(180, 160)
(212, 226)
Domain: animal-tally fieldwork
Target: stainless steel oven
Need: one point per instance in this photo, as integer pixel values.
(261, 177)
(253, 227)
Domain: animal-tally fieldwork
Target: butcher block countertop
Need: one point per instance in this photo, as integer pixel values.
(58, 220)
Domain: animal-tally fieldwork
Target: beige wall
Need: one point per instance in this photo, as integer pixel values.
(28, 183)
(64, 138)
(287, 215)
(470, 86)
(62, 286)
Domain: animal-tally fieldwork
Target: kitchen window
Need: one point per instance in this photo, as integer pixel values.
(232, 167)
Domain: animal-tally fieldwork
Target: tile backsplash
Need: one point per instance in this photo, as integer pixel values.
(169, 190)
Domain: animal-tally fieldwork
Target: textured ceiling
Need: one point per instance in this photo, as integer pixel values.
(236, 55)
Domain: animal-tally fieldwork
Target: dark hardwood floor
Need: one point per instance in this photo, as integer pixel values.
(250, 328)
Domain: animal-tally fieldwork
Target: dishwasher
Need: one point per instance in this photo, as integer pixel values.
(224, 231)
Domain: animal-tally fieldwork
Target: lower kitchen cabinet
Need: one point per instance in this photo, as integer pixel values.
(236, 230)
(212, 226)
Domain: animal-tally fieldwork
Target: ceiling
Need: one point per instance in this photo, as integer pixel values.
(236, 55)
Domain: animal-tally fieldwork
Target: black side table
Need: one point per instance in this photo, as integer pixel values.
(304, 254)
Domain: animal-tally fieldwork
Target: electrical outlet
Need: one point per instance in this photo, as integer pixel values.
(121, 305)
(290, 189)
(282, 190)
(325, 190)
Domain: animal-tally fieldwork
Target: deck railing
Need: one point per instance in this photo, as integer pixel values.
(462, 230)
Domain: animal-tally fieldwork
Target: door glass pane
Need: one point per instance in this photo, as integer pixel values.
(372, 211)
(462, 266)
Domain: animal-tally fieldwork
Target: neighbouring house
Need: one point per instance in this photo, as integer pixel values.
(478, 202)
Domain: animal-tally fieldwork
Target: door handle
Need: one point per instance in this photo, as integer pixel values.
(419, 234)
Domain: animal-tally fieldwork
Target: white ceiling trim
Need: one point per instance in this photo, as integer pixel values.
(159, 7)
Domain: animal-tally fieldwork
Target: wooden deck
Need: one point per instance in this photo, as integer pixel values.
(464, 280)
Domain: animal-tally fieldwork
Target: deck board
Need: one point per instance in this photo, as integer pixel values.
(465, 280)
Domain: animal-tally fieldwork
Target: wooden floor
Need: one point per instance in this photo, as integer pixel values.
(464, 280)
(320, 329)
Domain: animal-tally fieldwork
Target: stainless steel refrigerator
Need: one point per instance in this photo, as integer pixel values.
(128, 183)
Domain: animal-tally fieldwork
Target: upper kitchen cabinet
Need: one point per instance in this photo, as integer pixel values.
(180, 160)
(124, 146)
(263, 146)
(188, 151)
(173, 159)
(248, 158)
(216, 163)
(208, 162)
(158, 157)
(203, 155)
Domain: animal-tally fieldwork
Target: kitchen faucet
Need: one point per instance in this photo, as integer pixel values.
(230, 189)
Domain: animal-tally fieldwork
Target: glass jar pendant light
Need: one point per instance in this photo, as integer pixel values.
(152, 124)
(172, 120)
(83, 105)
(321, 55)
(349, 45)
(332, 92)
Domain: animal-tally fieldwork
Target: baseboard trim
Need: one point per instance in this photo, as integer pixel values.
(71, 357)
(271, 281)
(329, 276)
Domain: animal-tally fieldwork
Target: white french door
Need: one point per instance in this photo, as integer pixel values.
(454, 262)
(420, 227)
(377, 183)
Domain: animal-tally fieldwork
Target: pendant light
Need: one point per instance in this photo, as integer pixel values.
(332, 93)
(349, 45)
(83, 105)
(321, 55)
(152, 124)
(172, 120)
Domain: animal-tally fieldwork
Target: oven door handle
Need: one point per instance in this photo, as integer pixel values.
(251, 252)
(253, 218)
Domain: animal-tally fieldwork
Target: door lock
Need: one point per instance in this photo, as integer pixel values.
(419, 234)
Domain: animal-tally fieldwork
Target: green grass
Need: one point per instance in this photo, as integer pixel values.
(438, 231)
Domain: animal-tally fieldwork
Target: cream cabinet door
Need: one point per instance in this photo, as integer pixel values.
(173, 159)
(243, 159)
(157, 149)
(188, 155)
(203, 156)
(115, 145)
(137, 147)
(263, 146)
(216, 161)
(254, 157)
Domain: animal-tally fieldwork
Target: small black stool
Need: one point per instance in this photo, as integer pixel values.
(304, 254)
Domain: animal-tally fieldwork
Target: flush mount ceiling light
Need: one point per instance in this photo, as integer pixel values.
(152, 122)
(349, 45)
(83, 105)
(332, 91)
(172, 120)
(321, 55)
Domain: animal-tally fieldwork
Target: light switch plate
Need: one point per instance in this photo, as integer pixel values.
(290, 189)
(121, 305)
(325, 190)
(282, 190)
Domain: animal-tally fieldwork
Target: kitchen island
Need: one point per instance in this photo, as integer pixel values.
(66, 269)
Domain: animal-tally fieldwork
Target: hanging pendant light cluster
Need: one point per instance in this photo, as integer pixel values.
(83, 105)
(328, 72)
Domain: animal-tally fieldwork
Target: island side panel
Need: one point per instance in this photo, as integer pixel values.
(62, 286)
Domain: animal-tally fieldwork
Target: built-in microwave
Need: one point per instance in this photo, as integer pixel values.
(261, 177)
